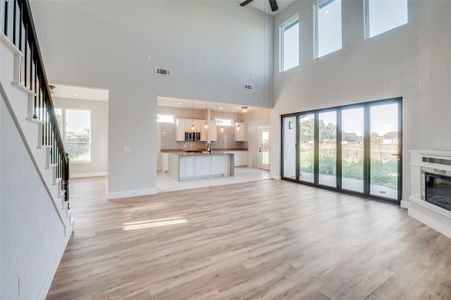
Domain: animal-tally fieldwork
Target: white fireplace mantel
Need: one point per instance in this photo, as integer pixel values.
(432, 215)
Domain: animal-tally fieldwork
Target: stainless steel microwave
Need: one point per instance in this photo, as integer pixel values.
(192, 136)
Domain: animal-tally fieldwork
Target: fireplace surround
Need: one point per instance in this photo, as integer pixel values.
(430, 198)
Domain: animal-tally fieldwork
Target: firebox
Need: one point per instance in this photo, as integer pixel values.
(438, 190)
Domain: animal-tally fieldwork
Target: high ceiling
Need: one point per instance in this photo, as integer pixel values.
(263, 5)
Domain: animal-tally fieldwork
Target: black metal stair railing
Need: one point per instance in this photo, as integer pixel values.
(19, 28)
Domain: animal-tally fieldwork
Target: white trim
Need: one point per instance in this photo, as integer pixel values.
(131, 193)
(436, 221)
(88, 174)
(282, 26)
(44, 290)
(9, 44)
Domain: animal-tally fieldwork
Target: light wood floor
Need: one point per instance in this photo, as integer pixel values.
(268, 239)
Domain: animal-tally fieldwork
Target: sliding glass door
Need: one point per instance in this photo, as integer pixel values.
(306, 147)
(289, 149)
(354, 148)
(327, 137)
(385, 156)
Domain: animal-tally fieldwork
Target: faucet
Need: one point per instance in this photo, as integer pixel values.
(209, 147)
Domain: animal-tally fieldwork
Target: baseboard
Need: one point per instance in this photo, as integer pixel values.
(428, 220)
(91, 174)
(54, 267)
(404, 204)
(277, 177)
(131, 193)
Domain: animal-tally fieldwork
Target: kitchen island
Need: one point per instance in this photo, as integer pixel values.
(186, 166)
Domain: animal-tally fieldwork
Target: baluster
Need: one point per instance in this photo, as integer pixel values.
(20, 24)
(44, 126)
(14, 20)
(25, 63)
(5, 25)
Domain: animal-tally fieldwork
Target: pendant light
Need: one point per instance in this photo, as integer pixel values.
(192, 113)
(206, 116)
(222, 126)
(238, 122)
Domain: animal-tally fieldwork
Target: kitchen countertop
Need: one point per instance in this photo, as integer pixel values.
(213, 150)
(181, 153)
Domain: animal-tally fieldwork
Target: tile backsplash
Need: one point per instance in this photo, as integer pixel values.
(225, 140)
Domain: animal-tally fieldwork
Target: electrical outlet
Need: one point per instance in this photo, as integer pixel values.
(19, 285)
(127, 149)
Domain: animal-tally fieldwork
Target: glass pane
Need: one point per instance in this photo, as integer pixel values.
(290, 45)
(59, 118)
(328, 148)
(306, 147)
(78, 126)
(79, 152)
(352, 149)
(289, 147)
(329, 27)
(265, 148)
(384, 150)
(385, 15)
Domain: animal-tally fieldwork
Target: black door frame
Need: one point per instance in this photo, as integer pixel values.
(367, 149)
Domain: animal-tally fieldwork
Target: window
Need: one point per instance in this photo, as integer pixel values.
(328, 35)
(384, 15)
(75, 127)
(225, 122)
(165, 119)
(289, 44)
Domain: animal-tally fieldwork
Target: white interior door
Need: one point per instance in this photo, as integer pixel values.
(263, 148)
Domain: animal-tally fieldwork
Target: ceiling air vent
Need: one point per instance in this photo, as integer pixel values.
(163, 72)
(248, 86)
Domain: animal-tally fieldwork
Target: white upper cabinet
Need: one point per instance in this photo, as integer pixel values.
(212, 131)
(240, 133)
(180, 129)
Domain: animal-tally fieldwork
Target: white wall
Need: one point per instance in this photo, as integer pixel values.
(211, 47)
(412, 61)
(32, 235)
(99, 136)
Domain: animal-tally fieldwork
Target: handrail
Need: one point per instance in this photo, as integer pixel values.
(19, 28)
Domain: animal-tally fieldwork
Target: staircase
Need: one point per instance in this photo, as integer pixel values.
(28, 97)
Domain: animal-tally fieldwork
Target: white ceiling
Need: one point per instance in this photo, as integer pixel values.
(263, 5)
(81, 93)
(199, 104)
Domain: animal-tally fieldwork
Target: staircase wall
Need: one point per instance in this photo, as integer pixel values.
(33, 235)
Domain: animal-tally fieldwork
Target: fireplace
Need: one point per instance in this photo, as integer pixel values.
(430, 198)
(438, 190)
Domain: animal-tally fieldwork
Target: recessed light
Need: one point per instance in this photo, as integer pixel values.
(179, 103)
(221, 107)
(75, 95)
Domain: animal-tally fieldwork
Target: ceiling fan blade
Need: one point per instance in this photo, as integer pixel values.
(244, 3)
(273, 4)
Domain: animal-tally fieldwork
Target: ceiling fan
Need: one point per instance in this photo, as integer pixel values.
(272, 3)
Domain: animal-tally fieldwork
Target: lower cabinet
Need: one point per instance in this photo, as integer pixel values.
(187, 166)
(204, 166)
